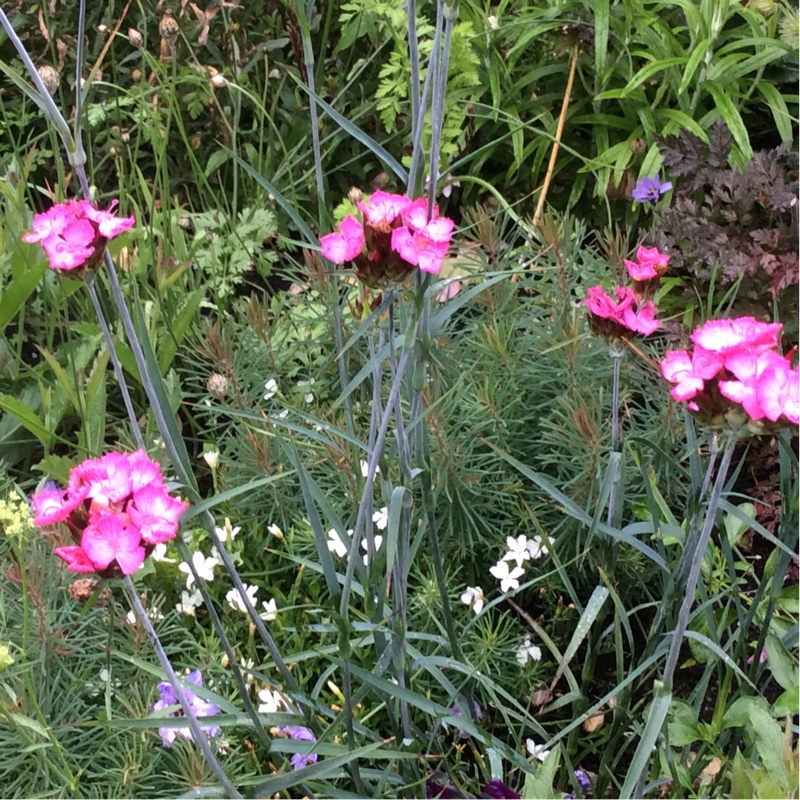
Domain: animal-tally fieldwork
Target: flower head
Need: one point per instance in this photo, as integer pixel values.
(346, 244)
(528, 651)
(198, 706)
(649, 264)
(536, 750)
(74, 234)
(474, 598)
(509, 578)
(235, 600)
(648, 190)
(621, 317)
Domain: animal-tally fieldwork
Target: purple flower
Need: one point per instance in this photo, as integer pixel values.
(199, 707)
(496, 788)
(648, 190)
(300, 733)
(583, 781)
(455, 710)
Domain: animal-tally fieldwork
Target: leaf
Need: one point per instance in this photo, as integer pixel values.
(652, 729)
(731, 116)
(27, 418)
(650, 70)
(682, 727)
(539, 783)
(782, 665)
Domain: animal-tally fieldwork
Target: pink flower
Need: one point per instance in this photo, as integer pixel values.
(649, 264)
(778, 392)
(108, 478)
(109, 539)
(425, 248)
(766, 387)
(345, 245)
(51, 506)
(76, 558)
(728, 336)
(677, 368)
(73, 234)
(144, 471)
(382, 208)
(155, 513)
(449, 292)
(624, 313)
(415, 216)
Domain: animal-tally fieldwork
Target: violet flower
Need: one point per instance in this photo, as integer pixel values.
(648, 190)
(200, 708)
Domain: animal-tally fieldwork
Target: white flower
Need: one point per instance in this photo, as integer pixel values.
(154, 614)
(335, 543)
(517, 549)
(493, 23)
(309, 382)
(536, 547)
(235, 599)
(271, 701)
(528, 651)
(275, 531)
(189, 602)
(365, 468)
(203, 566)
(283, 414)
(227, 533)
(160, 553)
(508, 577)
(309, 398)
(212, 458)
(248, 665)
(381, 518)
(536, 750)
(377, 541)
(270, 610)
(270, 388)
(473, 597)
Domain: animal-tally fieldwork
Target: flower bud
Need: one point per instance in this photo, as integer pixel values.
(169, 29)
(217, 385)
(219, 81)
(50, 78)
(135, 37)
(212, 458)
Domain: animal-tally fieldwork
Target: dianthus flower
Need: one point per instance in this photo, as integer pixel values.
(620, 318)
(650, 263)
(117, 510)
(199, 707)
(74, 235)
(393, 235)
(735, 365)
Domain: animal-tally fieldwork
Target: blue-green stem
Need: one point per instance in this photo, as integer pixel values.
(88, 279)
(696, 560)
(617, 354)
(194, 726)
(413, 58)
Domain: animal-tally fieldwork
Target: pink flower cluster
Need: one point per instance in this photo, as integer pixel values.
(736, 361)
(117, 510)
(74, 234)
(632, 311)
(393, 225)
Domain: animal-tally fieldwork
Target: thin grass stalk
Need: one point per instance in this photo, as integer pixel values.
(123, 384)
(200, 583)
(79, 56)
(616, 356)
(696, 562)
(191, 719)
(308, 57)
(413, 59)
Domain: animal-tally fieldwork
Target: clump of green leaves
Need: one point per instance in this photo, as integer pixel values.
(226, 250)
(726, 222)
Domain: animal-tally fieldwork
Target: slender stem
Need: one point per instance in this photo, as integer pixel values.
(696, 563)
(197, 732)
(617, 356)
(123, 384)
(341, 358)
(413, 57)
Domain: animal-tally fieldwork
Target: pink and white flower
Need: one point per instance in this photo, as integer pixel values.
(346, 244)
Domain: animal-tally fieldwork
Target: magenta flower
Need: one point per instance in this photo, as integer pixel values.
(621, 317)
(345, 245)
(116, 509)
(74, 234)
(425, 248)
(110, 538)
(199, 707)
(415, 216)
(382, 208)
(155, 513)
(742, 334)
(649, 264)
(648, 190)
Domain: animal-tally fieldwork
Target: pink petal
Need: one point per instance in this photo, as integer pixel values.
(382, 208)
(676, 365)
(51, 506)
(403, 243)
(726, 336)
(144, 471)
(76, 558)
(109, 538)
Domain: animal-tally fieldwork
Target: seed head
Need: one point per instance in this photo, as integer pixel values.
(50, 77)
(135, 37)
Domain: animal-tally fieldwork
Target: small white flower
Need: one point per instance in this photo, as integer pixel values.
(227, 533)
(536, 547)
(335, 543)
(235, 599)
(189, 602)
(508, 577)
(381, 518)
(309, 398)
(493, 23)
(275, 531)
(248, 665)
(270, 610)
(212, 458)
(203, 566)
(270, 388)
(536, 750)
(528, 651)
(160, 553)
(309, 382)
(377, 541)
(365, 468)
(154, 614)
(473, 597)
(517, 549)
(271, 701)
(283, 414)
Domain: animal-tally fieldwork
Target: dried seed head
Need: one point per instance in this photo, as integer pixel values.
(136, 75)
(169, 29)
(50, 77)
(83, 588)
(638, 146)
(184, 223)
(135, 37)
(355, 195)
(195, 142)
(217, 385)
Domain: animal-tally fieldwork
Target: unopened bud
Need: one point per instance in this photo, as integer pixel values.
(50, 78)
(135, 37)
(169, 29)
(136, 75)
(217, 385)
(355, 195)
(212, 458)
(219, 81)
